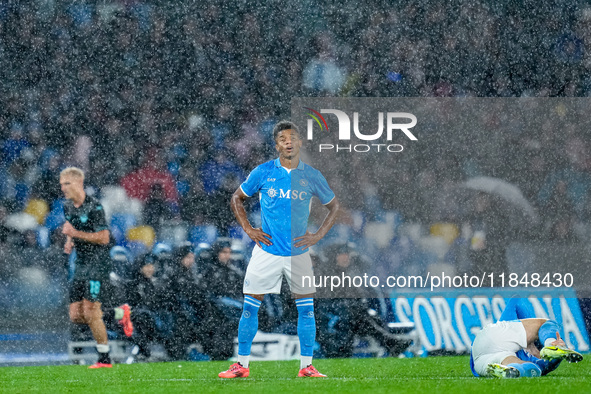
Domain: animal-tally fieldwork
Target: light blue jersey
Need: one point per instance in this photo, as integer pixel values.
(285, 199)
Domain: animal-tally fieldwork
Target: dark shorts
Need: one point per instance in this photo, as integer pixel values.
(91, 290)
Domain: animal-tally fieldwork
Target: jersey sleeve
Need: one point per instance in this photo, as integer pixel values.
(98, 219)
(253, 183)
(322, 190)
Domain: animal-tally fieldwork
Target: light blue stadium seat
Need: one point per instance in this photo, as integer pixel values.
(54, 220)
(359, 220)
(122, 261)
(58, 205)
(120, 223)
(43, 237)
(136, 248)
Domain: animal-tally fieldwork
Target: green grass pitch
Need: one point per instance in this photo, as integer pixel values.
(378, 375)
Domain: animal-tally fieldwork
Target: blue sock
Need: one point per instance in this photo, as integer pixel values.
(527, 370)
(517, 308)
(546, 366)
(249, 324)
(547, 331)
(306, 325)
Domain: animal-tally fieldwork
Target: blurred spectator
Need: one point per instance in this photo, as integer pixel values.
(157, 209)
(3, 229)
(344, 312)
(191, 307)
(559, 215)
(19, 180)
(197, 318)
(221, 276)
(571, 182)
(138, 183)
(30, 253)
(490, 231)
(221, 279)
(214, 171)
(7, 250)
(322, 75)
(219, 212)
(195, 204)
(13, 146)
(150, 299)
(45, 187)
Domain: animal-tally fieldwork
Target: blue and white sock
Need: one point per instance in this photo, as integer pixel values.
(546, 366)
(306, 330)
(547, 332)
(247, 328)
(527, 370)
(517, 308)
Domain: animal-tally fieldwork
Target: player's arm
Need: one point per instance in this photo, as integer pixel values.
(99, 237)
(256, 234)
(310, 239)
(69, 245)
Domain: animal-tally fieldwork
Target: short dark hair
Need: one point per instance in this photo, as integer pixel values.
(284, 125)
(220, 245)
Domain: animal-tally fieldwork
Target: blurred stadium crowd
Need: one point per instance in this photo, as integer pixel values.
(168, 105)
(181, 296)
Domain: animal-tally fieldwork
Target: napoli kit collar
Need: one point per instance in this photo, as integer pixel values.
(299, 167)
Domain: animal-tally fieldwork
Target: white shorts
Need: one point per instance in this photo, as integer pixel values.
(495, 342)
(265, 272)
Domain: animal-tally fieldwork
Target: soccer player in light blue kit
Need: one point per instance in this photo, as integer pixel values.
(285, 187)
(510, 347)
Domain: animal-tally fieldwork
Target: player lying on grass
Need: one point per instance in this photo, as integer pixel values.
(510, 347)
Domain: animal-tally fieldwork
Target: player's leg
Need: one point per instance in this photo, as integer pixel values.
(554, 347)
(247, 329)
(532, 328)
(538, 332)
(76, 295)
(248, 326)
(299, 274)
(513, 367)
(517, 308)
(122, 314)
(495, 346)
(307, 335)
(544, 331)
(547, 332)
(115, 308)
(306, 327)
(263, 276)
(112, 295)
(94, 294)
(76, 313)
(94, 316)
